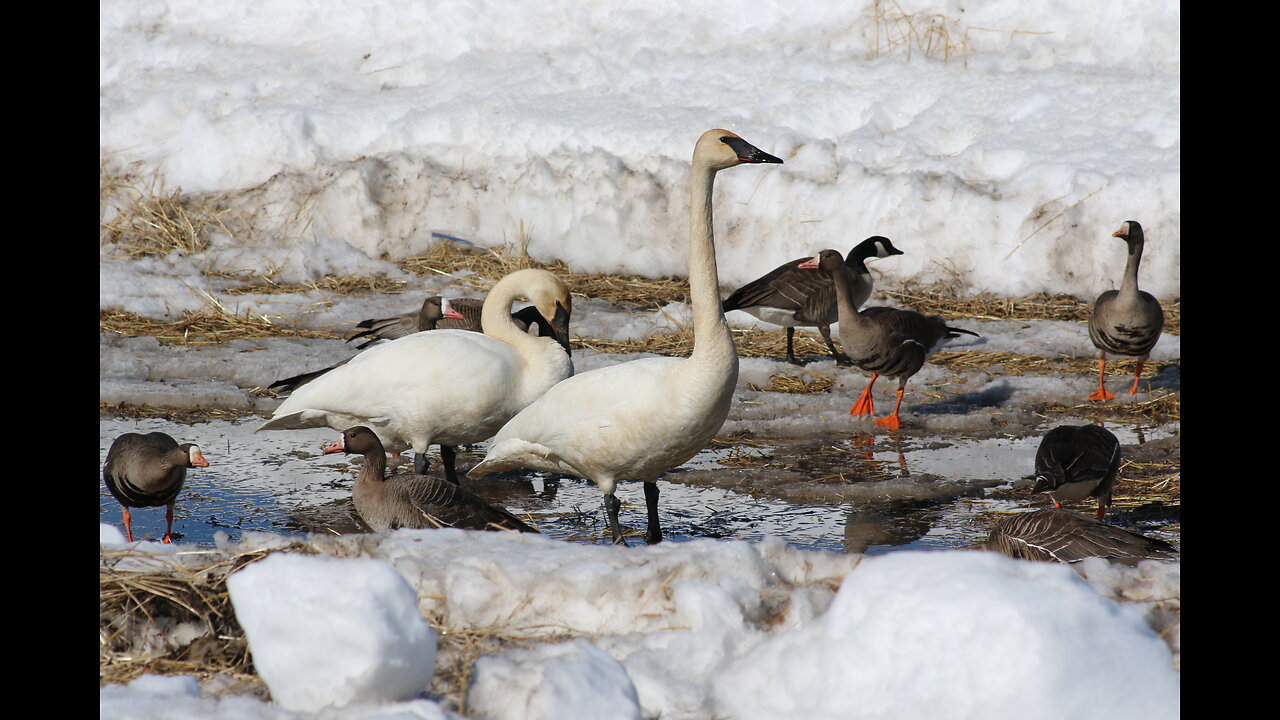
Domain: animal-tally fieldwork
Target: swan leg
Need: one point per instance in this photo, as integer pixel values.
(791, 355)
(611, 506)
(840, 358)
(891, 421)
(1102, 395)
(653, 535)
(128, 522)
(420, 463)
(864, 405)
(168, 528)
(447, 457)
(1134, 390)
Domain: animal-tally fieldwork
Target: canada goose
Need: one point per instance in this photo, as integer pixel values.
(1078, 461)
(414, 501)
(461, 314)
(1127, 321)
(446, 387)
(148, 471)
(791, 297)
(1065, 536)
(881, 340)
(638, 419)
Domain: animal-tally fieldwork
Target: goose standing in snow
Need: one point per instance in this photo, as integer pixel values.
(148, 471)
(445, 387)
(883, 341)
(1078, 461)
(1067, 537)
(414, 501)
(1127, 321)
(638, 419)
(791, 297)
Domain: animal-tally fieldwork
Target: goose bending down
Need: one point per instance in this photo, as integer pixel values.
(1067, 537)
(638, 419)
(791, 297)
(433, 310)
(1078, 461)
(459, 314)
(883, 341)
(1127, 321)
(414, 501)
(148, 471)
(445, 387)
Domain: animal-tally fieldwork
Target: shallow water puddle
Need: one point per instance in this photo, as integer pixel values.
(860, 494)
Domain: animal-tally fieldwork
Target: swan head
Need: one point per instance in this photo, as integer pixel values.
(548, 294)
(723, 149)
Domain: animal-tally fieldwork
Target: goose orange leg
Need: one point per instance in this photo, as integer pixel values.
(128, 522)
(1134, 390)
(168, 529)
(891, 421)
(1102, 395)
(864, 405)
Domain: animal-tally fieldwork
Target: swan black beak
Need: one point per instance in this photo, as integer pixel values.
(560, 327)
(749, 153)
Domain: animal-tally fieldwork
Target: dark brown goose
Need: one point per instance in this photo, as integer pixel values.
(881, 340)
(1127, 321)
(457, 314)
(414, 501)
(1067, 537)
(434, 309)
(1074, 462)
(791, 297)
(148, 471)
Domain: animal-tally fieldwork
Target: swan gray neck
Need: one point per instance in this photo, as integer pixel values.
(712, 339)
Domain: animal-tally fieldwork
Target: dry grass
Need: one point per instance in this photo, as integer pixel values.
(208, 326)
(140, 220)
(136, 603)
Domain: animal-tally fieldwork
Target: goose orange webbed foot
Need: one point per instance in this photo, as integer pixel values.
(1101, 396)
(890, 422)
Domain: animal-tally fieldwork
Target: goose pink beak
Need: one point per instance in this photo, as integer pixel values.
(334, 447)
(449, 312)
(197, 460)
(810, 264)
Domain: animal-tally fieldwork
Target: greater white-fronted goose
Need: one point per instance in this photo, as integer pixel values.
(434, 309)
(638, 419)
(459, 314)
(1127, 321)
(791, 297)
(1074, 462)
(445, 387)
(883, 341)
(148, 471)
(414, 501)
(1067, 537)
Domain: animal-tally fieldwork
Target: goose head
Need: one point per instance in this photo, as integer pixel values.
(359, 440)
(1130, 231)
(193, 457)
(722, 149)
(876, 246)
(827, 260)
(435, 308)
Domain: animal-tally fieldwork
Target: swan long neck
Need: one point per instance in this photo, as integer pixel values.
(495, 316)
(712, 339)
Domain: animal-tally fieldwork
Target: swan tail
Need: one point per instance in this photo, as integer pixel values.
(514, 453)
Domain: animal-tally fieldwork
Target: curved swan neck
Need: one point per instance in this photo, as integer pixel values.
(711, 336)
(495, 315)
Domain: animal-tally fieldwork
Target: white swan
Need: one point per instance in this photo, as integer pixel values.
(446, 387)
(638, 419)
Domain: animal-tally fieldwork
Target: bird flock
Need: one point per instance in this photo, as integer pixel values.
(639, 419)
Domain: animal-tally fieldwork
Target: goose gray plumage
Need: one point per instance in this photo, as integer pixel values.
(791, 297)
(1126, 321)
(414, 501)
(148, 471)
(883, 341)
(1067, 537)
(1078, 461)
(636, 420)
(460, 314)
(434, 309)
(444, 387)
